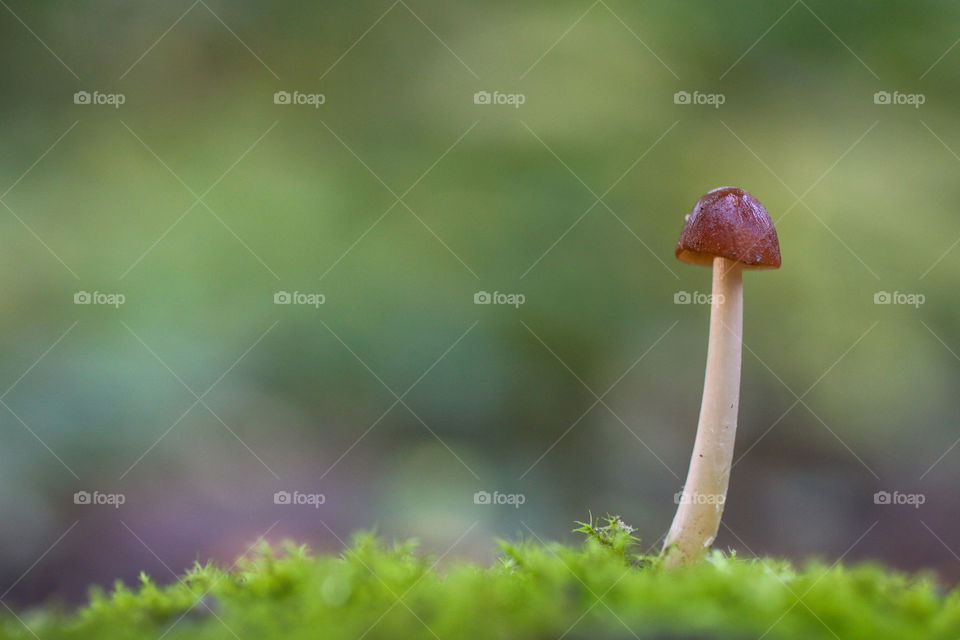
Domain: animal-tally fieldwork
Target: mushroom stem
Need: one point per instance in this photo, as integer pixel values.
(704, 494)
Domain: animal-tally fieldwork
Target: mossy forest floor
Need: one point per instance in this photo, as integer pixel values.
(600, 590)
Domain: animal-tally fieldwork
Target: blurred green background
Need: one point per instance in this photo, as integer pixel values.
(398, 199)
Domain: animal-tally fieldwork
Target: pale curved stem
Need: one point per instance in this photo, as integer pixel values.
(704, 494)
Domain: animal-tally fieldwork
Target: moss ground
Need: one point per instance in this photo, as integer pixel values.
(600, 589)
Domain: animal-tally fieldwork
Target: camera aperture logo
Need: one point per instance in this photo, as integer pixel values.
(899, 298)
(511, 99)
(99, 298)
(300, 99)
(896, 498)
(897, 98)
(299, 498)
(709, 99)
(299, 297)
(97, 498)
(512, 299)
(497, 498)
(99, 99)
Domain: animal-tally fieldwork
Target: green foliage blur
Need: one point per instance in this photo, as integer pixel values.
(399, 198)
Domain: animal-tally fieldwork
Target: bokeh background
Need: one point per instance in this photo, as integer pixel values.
(398, 199)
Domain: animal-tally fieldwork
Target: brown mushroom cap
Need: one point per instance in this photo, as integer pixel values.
(730, 223)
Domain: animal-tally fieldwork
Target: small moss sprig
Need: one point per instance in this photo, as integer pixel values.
(610, 532)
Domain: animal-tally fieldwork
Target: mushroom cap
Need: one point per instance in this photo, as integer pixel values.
(730, 223)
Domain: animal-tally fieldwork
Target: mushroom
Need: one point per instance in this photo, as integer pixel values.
(730, 230)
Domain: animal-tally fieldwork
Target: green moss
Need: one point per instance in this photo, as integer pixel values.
(602, 589)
